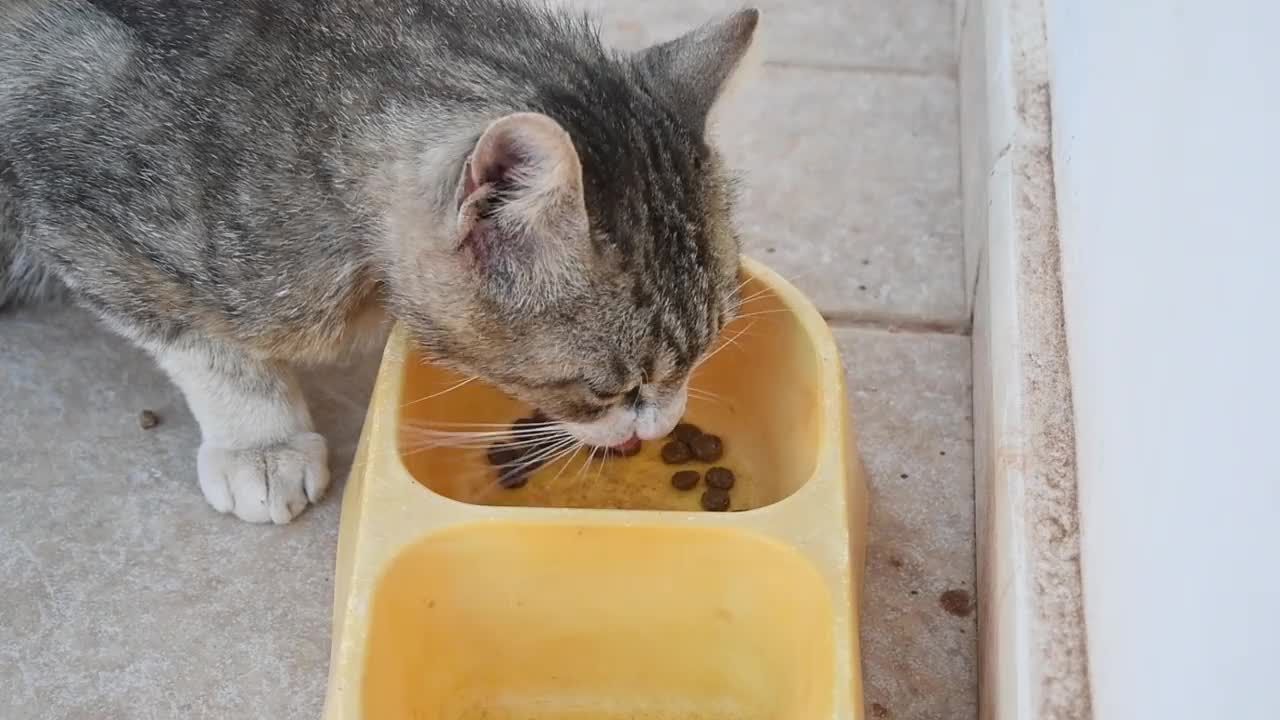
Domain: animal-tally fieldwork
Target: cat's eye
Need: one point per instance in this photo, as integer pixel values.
(585, 413)
(629, 396)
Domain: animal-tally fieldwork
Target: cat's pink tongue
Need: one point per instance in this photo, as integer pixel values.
(628, 446)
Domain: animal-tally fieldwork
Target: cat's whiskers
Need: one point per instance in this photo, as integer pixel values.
(565, 465)
(460, 442)
(509, 432)
(446, 391)
(420, 438)
(482, 481)
(604, 460)
(545, 455)
(704, 396)
(459, 438)
(757, 295)
(528, 464)
(796, 278)
(760, 313)
(587, 464)
(699, 392)
(731, 340)
(745, 332)
(453, 423)
(484, 438)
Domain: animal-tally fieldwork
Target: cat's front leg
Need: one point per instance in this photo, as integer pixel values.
(259, 457)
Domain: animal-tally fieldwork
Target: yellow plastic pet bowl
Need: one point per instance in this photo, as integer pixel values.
(598, 591)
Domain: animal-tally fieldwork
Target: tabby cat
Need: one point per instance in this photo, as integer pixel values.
(239, 186)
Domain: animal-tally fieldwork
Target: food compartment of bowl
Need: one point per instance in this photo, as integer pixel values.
(761, 391)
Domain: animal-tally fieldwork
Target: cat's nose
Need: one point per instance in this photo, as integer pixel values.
(651, 424)
(656, 419)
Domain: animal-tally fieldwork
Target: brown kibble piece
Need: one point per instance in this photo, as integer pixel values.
(879, 711)
(147, 419)
(516, 473)
(530, 461)
(720, 478)
(520, 456)
(686, 433)
(513, 476)
(715, 500)
(957, 602)
(502, 454)
(676, 452)
(707, 448)
(685, 480)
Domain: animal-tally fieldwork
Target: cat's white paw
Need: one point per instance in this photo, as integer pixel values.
(267, 484)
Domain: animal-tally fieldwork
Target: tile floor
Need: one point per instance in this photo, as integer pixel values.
(123, 596)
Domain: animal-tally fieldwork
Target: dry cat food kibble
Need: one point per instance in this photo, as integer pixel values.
(676, 452)
(686, 432)
(702, 445)
(513, 476)
(707, 448)
(501, 455)
(689, 443)
(148, 419)
(518, 457)
(720, 478)
(685, 479)
(715, 500)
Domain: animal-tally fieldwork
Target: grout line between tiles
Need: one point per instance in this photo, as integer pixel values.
(891, 324)
(949, 72)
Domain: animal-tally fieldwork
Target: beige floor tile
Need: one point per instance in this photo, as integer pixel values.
(909, 34)
(851, 188)
(911, 401)
(124, 595)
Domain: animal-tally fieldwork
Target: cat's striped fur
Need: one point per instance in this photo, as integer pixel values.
(238, 185)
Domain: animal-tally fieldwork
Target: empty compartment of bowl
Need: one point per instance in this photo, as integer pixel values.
(556, 622)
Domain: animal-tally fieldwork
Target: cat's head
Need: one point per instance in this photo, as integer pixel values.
(594, 261)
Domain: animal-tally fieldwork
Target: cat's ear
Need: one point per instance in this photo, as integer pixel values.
(693, 70)
(519, 199)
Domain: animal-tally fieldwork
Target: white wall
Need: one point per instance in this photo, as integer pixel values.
(1166, 126)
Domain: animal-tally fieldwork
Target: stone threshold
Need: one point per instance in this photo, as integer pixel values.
(1032, 653)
